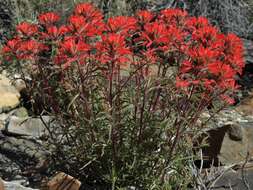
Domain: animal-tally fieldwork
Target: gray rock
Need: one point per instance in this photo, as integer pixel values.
(20, 112)
(235, 132)
(14, 186)
(9, 95)
(229, 144)
(27, 126)
(9, 170)
(242, 179)
(22, 156)
(22, 150)
(3, 118)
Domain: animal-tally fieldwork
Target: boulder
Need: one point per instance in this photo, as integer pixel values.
(20, 112)
(62, 181)
(9, 169)
(34, 127)
(14, 186)
(3, 117)
(9, 95)
(240, 179)
(246, 106)
(21, 158)
(229, 144)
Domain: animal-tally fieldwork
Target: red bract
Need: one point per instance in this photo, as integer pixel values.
(145, 16)
(11, 45)
(72, 48)
(155, 34)
(205, 35)
(186, 66)
(52, 32)
(121, 24)
(233, 48)
(92, 15)
(173, 16)
(48, 18)
(88, 11)
(182, 83)
(195, 23)
(113, 48)
(10, 49)
(80, 27)
(29, 49)
(27, 29)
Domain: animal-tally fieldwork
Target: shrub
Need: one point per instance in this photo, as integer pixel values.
(127, 93)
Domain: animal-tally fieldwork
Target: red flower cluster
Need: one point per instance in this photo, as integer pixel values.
(206, 58)
(49, 18)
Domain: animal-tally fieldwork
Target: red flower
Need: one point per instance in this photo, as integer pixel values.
(145, 16)
(71, 50)
(72, 47)
(10, 49)
(228, 99)
(29, 48)
(186, 66)
(88, 11)
(113, 48)
(27, 29)
(11, 45)
(195, 23)
(53, 32)
(182, 83)
(121, 24)
(77, 21)
(48, 18)
(79, 26)
(205, 35)
(155, 33)
(173, 16)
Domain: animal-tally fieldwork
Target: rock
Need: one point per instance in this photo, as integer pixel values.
(231, 115)
(62, 181)
(9, 95)
(20, 112)
(19, 85)
(1, 184)
(27, 126)
(241, 179)
(22, 157)
(245, 107)
(229, 144)
(9, 170)
(14, 186)
(3, 118)
(235, 132)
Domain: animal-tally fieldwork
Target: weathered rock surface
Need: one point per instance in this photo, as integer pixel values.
(3, 118)
(241, 179)
(229, 144)
(22, 158)
(34, 127)
(20, 112)
(9, 169)
(62, 181)
(14, 186)
(9, 96)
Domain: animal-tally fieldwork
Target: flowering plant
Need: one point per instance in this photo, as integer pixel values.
(128, 91)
